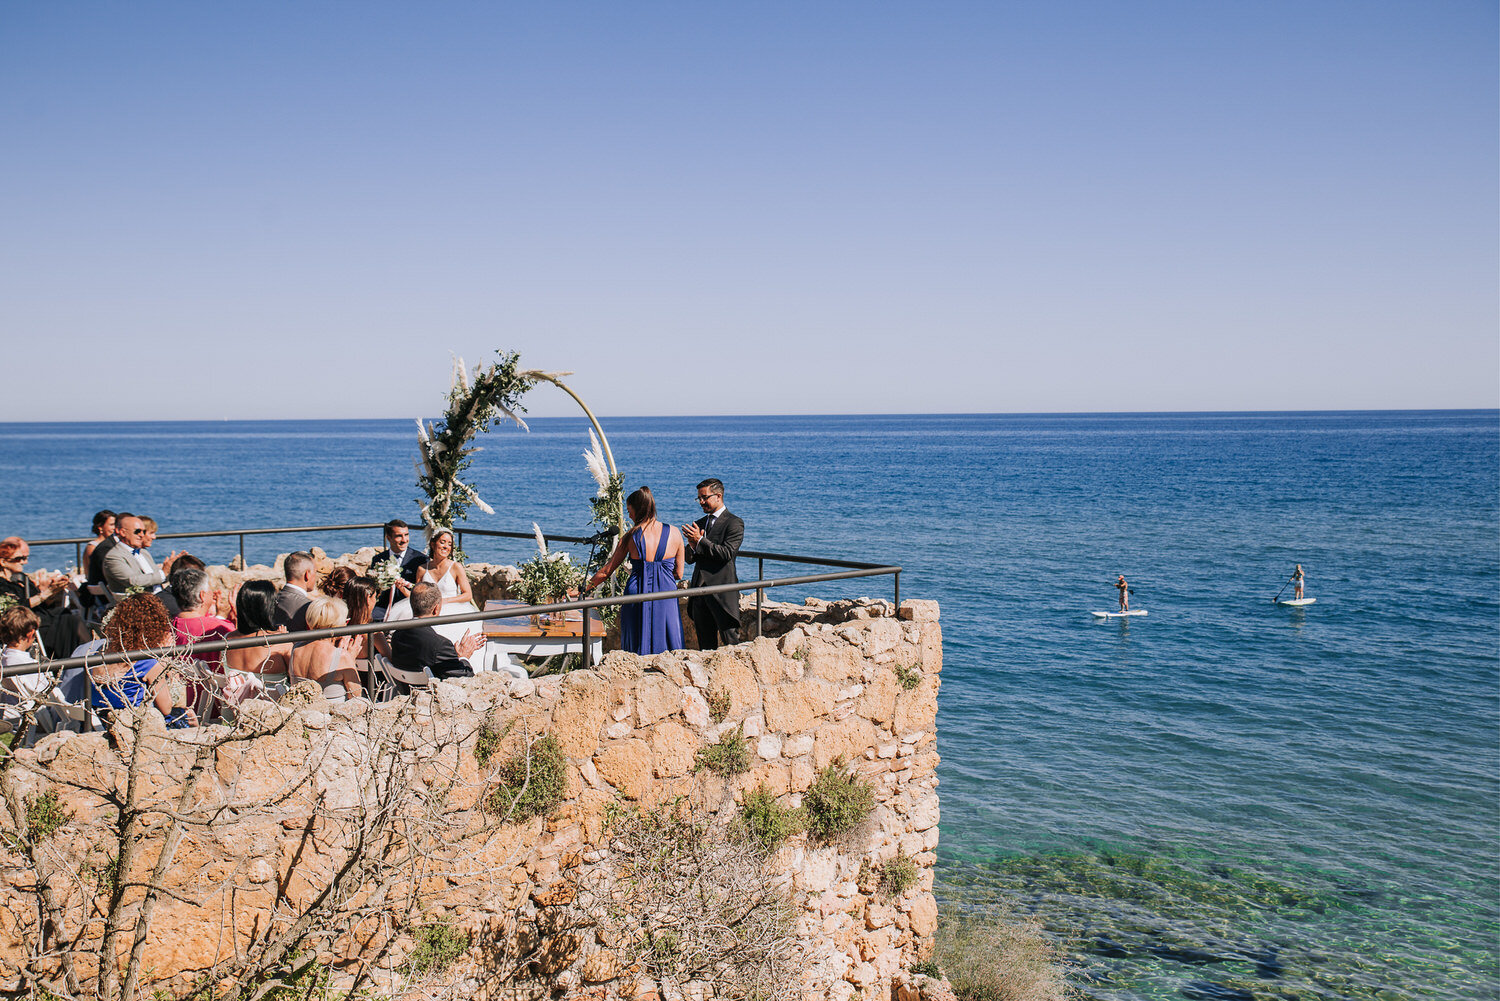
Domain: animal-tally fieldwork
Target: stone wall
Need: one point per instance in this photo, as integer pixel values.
(268, 814)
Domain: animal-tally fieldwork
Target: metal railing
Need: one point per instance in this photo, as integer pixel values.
(851, 570)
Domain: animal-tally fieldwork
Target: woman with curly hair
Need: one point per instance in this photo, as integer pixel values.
(139, 622)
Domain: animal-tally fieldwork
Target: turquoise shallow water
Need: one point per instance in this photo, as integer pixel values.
(1225, 800)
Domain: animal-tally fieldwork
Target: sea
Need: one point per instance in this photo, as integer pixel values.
(1225, 799)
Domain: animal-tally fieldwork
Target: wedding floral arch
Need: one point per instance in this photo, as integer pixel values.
(474, 404)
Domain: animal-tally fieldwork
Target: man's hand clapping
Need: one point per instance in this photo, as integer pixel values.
(472, 641)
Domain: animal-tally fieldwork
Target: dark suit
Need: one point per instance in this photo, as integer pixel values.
(716, 616)
(423, 646)
(96, 559)
(291, 609)
(412, 563)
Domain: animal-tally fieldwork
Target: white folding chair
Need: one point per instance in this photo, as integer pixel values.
(398, 676)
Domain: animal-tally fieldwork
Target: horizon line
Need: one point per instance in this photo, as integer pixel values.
(956, 413)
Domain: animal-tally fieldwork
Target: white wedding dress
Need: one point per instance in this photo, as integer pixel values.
(448, 588)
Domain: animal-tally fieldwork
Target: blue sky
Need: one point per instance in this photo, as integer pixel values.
(300, 209)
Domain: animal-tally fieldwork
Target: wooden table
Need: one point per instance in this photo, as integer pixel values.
(522, 636)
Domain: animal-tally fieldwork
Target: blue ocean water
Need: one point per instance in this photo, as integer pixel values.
(1226, 799)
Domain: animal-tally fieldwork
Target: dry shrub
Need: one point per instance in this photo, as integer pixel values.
(989, 955)
(690, 900)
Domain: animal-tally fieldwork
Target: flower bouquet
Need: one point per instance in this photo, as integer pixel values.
(548, 576)
(386, 575)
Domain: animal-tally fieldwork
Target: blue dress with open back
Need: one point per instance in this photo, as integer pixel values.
(652, 626)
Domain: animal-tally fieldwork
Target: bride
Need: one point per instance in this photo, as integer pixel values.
(448, 574)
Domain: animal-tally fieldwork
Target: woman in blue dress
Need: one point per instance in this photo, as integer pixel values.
(138, 622)
(651, 626)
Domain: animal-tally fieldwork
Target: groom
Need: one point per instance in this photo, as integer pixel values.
(712, 544)
(411, 561)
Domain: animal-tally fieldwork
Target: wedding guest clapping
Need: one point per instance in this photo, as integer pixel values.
(713, 542)
(360, 595)
(44, 593)
(129, 565)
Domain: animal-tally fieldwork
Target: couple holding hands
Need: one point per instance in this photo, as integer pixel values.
(657, 553)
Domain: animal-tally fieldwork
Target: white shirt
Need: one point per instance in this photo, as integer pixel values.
(400, 557)
(713, 517)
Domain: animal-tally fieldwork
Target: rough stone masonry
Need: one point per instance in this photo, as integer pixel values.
(275, 806)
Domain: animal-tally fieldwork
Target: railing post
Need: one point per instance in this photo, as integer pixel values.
(760, 592)
(897, 575)
(78, 555)
(588, 643)
(459, 543)
(242, 551)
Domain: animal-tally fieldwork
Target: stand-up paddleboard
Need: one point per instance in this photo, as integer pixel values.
(1118, 615)
(1297, 602)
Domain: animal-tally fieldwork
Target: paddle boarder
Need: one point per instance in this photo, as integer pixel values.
(1124, 590)
(1297, 579)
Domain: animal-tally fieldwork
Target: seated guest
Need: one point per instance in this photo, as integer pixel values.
(411, 561)
(424, 647)
(360, 595)
(187, 561)
(18, 626)
(258, 669)
(104, 532)
(94, 565)
(335, 580)
(104, 527)
(198, 598)
(327, 661)
(44, 593)
(128, 565)
(301, 573)
(139, 622)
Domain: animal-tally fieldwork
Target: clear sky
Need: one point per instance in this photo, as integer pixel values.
(300, 209)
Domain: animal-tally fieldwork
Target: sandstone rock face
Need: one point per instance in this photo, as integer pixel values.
(823, 684)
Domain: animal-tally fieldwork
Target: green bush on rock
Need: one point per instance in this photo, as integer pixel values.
(730, 756)
(837, 802)
(531, 783)
(767, 822)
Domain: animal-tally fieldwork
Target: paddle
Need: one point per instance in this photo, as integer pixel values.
(1283, 588)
